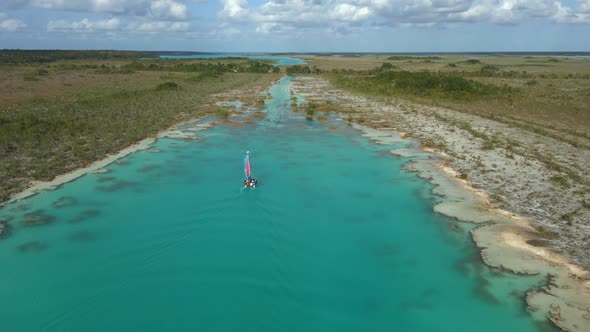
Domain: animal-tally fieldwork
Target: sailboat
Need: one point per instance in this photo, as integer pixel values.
(249, 182)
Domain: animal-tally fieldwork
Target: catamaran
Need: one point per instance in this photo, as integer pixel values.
(249, 182)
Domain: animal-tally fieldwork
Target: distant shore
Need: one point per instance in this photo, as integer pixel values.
(506, 239)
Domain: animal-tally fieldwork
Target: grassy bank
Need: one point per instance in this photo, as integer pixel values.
(541, 94)
(57, 118)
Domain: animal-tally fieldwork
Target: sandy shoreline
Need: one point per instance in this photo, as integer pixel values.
(503, 237)
(173, 132)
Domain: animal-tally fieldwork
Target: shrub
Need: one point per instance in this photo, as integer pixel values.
(222, 112)
(560, 181)
(472, 62)
(167, 86)
(488, 70)
(41, 72)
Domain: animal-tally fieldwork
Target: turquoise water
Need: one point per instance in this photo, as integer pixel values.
(335, 238)
(280, 60)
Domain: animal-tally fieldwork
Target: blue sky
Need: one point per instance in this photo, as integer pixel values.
(297, 25)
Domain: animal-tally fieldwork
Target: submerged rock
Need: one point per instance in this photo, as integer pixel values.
(37, 218)
(18, 208)
(85, 215)
(81, 236)
(105, 179)
(117, 186)
(148, 168)
(33, 246)
(65, 201)
(4, 229)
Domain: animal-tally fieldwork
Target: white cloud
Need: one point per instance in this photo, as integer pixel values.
(284, 15)
(584, 6)
(168, 9)
(10, 24)
(158, 26)
(159, 9)
(233, 8)
(84, 25)
(114, 25)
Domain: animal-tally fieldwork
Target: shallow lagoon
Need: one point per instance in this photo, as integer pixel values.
(335, 238)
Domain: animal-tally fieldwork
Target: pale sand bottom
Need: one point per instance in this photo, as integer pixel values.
(503, 238)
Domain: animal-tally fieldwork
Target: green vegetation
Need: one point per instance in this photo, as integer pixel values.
(301, 69)
(222, 112)
(471, 62)
(387, 82)
(560, 181)
(431, 143)
(46, 56)
(409, 57)
(309, 110)
(75, 112)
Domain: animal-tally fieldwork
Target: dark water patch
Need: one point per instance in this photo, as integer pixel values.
(6, 218)
(175, 171)
(472, 264)
(428, 292)
(148, 168)
(386, 154)
(64, 201)
(482, 290)
(455, 226)
(85, 215)
(33, 246)
(386, 250)
(20, 208)
(373, 304)
(362, 195)
(5, 229)
(379, 215)
(357, 219)
(82, 236)
(121, 184)
(410, 262)
(104, 179)
(416, 305)
(400, 180)
(37, 218)
(286, 148)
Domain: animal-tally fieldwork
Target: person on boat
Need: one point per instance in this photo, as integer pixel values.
(246, 183)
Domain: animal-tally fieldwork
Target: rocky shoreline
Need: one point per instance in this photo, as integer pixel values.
(514, 167)
(481, 183)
